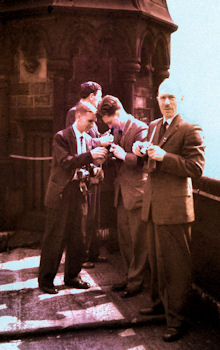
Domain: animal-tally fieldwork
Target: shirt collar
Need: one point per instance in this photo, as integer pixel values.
(169, 121)
(77, 132)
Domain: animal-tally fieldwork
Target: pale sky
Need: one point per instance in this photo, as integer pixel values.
(195, 63)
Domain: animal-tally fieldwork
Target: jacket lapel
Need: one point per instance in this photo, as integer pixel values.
(126, 128)
(155, 139)
(170, 131)
(73, 144)
(88, 142)
(151, 164)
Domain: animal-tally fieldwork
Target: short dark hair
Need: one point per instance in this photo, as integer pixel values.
(109, 105)
(88, 88)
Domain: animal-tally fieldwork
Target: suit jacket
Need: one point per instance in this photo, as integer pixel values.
(168, 190)
(130, 177)
(65, 162)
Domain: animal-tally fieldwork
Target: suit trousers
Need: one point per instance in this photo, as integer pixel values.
(170, 265)
(132, 240)
(92, 222)
(63, 231)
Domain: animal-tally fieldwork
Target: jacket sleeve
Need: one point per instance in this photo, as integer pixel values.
(131, 159)
(64, 158)
(191, 161)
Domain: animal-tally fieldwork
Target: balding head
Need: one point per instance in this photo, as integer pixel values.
(169, 95)
(169, 86)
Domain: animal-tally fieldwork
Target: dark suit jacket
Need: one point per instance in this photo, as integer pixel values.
(168, 190)
(65, 162)
(130, 178)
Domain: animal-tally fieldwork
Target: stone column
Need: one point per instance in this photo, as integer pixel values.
(128, 71)
(59, 70)
(5, 163)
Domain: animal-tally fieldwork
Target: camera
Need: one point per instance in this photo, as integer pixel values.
(83, 174)
(86, 172)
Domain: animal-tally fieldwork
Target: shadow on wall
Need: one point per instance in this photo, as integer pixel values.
(206, 237)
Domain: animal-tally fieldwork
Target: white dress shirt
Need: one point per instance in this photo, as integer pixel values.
(81, 145)
(169, 121)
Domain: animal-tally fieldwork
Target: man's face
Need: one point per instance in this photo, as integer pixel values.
(96, 98)
(86, 121)
(167, 103)
(113, 121)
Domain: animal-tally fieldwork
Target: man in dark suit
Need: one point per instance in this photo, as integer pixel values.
(91, 92)
(73, 149)
(129, 184)
(174, 156)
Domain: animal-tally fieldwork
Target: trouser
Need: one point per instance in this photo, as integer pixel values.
(170, 265)
(63, 231)
(92, 222)
(133, 245)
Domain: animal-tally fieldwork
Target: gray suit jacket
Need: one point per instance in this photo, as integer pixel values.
(168, 190)
(130, 177)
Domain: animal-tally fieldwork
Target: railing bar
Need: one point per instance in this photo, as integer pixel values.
(29, 158)
(208, 195)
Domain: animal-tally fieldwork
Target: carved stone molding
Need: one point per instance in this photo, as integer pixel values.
(129, 70)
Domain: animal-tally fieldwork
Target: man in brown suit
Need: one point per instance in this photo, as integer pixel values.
(129, 185)
(174, 156)
(73, 149)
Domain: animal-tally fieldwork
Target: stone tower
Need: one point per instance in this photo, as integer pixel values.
(49, 47)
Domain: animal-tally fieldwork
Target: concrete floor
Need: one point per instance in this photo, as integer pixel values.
(77, 319)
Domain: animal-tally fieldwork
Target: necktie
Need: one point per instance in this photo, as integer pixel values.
(163, 129)
(81, 144)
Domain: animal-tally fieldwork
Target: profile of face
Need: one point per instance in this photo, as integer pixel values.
(86, 121)
(95, 99)
(113, 121)
(167, 99)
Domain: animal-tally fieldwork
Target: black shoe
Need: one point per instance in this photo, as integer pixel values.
(88, 265)
(48, 290)
(153, 310)
(173, 334)
(77, 283)
(129, 293)
(118, 287)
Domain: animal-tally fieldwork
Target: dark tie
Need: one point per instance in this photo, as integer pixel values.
(163, 129)
(81, 143)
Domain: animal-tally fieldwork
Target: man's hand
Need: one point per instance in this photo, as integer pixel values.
(118, 151)
(156, 153)
(100, 161)
(98, 173)
(106, 139)
(140, 148)
(99, 152)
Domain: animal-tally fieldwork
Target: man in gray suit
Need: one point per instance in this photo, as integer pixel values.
(174, 155)
(129, 184)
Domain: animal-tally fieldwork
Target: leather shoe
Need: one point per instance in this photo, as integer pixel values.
(118, 287)
(172, 334)
(129, 293)
(48, 290)
(88, 265)
(77, 283)
(154, 310)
